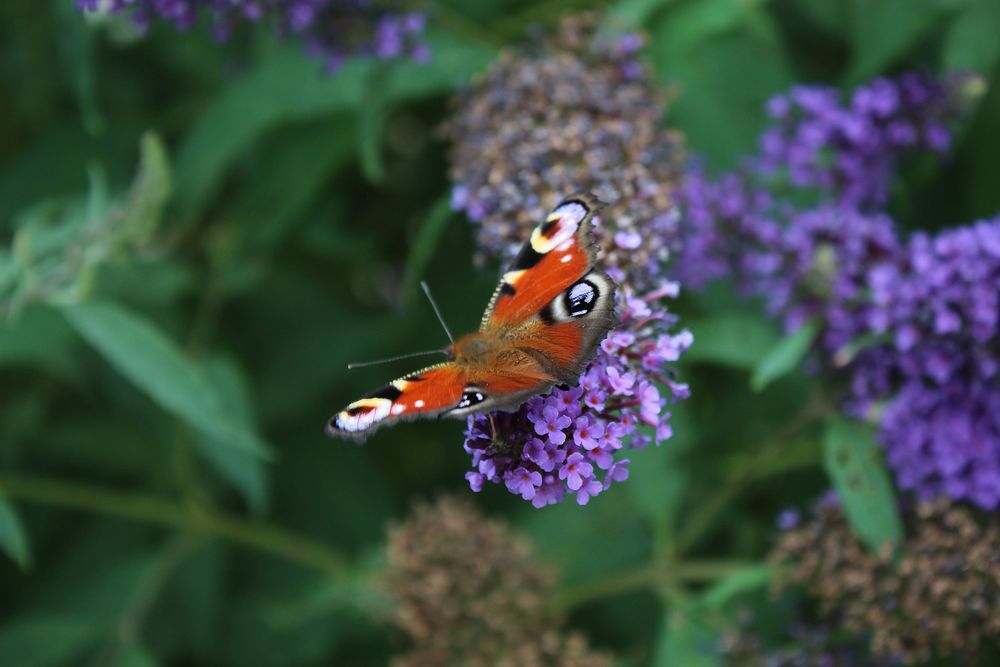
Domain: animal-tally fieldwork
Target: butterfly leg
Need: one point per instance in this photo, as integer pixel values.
(494, 441)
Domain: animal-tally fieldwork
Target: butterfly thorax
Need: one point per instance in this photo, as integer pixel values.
(474, 349)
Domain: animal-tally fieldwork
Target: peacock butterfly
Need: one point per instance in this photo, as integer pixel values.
(543, 324)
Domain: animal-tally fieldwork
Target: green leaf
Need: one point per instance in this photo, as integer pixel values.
(742, 581)
(970, 42)
(289, 87)
(885, 30)
(738, 340)
(76, 49)
(135, 656)
(244, 470)
(424, 245)
(854, 463)
(13, 540)
(785, 356)
(635, 13)
(47, 640)
(38, 336)
(150, 190)
(372, 114)
(725, 59)
(155, 364)
(685, 639)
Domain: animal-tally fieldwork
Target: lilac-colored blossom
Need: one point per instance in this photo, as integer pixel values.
(330, 30)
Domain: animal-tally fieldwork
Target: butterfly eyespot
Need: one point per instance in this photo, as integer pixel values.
(471, 397)
(581, 298)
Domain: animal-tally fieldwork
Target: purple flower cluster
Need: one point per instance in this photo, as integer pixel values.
(727, 228)
(937, 306)
(914, 325)
(850, 150)
(569, 441)
(331, 30)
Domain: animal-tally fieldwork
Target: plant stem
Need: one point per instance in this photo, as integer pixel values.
(716, 504)
(251, 534)
(662, 576)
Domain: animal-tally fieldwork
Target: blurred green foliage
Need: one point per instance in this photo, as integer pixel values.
(197, 238)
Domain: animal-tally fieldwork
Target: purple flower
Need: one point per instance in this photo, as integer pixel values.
(588, 432)
(788, 519)
(523, 481)
(588, 490)
(329, 29)
(618, 472)
(575, 471)
(551, 423)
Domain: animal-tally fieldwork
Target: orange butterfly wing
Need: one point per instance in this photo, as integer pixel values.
(425, 393)
(559, 252)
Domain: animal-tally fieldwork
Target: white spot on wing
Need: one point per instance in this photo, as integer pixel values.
(566, 258)
(418, 403)
(361, 422)
(398, 409)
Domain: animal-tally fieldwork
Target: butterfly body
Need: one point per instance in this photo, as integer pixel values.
(546, 318)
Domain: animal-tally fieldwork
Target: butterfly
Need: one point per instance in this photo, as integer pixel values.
(547, 316)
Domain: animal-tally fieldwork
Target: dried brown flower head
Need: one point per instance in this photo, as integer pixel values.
(575, 111)
(470, 594)
(938, 597)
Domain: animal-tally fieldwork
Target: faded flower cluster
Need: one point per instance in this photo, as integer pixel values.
(470, 593)
(936, 597)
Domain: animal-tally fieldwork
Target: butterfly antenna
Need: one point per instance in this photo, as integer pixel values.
(385, 361)
(427, 291)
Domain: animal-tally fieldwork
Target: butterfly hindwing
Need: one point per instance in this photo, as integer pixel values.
(426, 393)
(571, 326)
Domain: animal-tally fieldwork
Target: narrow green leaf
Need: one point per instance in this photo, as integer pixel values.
(13, 540)
(47, 640)
(854, 463)
(738, 340)
(685, 639)
(970, 42)
(742, 581)
(785, 356)
(372, 114)
(424, 245)
(155, 364)
(76, 50)
(244, 470)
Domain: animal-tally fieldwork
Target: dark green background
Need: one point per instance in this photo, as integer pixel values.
(304, 209)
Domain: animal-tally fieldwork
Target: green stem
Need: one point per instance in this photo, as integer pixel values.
(716, 504)
(127, 630)
(148, 509)
(662, 576)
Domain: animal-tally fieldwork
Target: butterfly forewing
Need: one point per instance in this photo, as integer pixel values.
(558, 253)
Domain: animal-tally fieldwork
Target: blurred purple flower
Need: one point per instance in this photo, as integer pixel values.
(331, 30)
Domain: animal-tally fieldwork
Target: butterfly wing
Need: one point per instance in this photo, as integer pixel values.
(427, 393)
(551, 303)
(559, 252)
